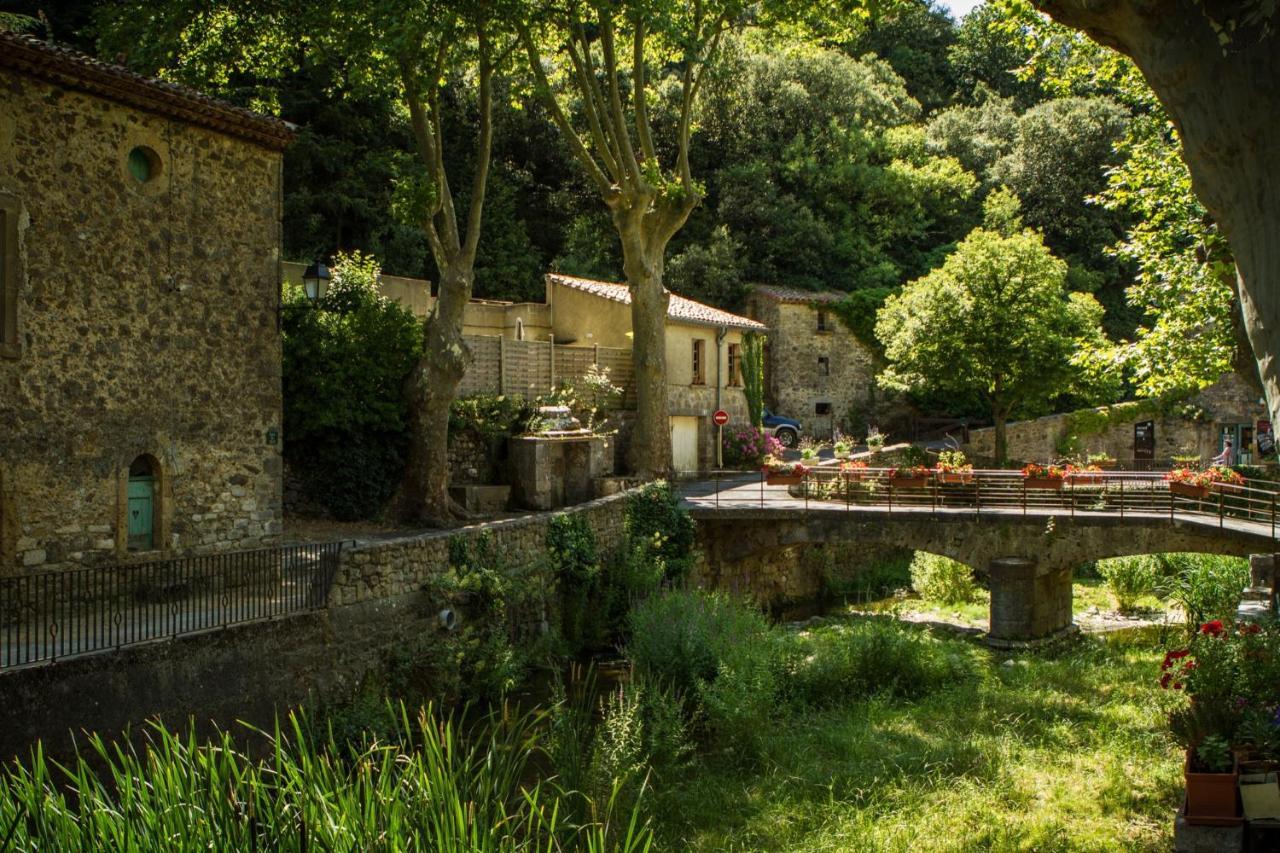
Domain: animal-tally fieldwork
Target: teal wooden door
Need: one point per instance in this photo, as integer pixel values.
(141, 505)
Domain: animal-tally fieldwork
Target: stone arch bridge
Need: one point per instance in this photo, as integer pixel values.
(1027, 544)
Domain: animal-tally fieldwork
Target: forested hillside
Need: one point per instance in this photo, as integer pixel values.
(851, 157)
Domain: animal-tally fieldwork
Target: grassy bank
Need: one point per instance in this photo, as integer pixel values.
(1052, 752)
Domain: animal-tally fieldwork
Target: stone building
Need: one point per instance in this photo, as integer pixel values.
(816, 370)
(1147, 433)
(140, 353)
(704, 356)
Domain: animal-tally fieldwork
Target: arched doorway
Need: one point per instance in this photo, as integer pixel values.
(143, 508)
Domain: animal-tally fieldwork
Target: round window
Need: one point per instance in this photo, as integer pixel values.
(144, 164)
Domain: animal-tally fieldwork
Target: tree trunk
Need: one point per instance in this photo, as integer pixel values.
(1002, 442)
(650, 450)
(432, 389)
(1225, 102)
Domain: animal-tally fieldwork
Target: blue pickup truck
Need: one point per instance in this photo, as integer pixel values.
(786, 430)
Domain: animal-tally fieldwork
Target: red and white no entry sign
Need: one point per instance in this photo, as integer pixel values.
(720, 418)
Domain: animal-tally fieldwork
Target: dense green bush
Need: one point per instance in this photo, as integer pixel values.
(1205, 586)
(942, 579)
(488, 416)
(656, 521)
(1130, 578)
(837, 663)
(346, 416)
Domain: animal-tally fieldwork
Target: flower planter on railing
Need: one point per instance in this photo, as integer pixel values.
(909, 482)
(1086, 478)
(784, 479)
(956, 478)
(1188, 490)
(1054, 483)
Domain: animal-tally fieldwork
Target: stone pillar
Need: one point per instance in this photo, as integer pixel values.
(1028, 601)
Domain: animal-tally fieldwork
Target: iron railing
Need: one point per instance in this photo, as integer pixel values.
(1250, 508)
(54, 615)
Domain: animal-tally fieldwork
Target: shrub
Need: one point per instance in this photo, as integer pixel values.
(346, 418)
(876, 656)
(575, 559)
(1206, 586)
(488, 416)
(655, 521)
(747, 447)
(682, 637)
(1129, 579)
(941, 579)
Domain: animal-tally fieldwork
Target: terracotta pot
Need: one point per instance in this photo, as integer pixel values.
(909, 482)
(956, 477)
(1086, 479)
(1189, 490)
(1212, 798)
(784, 479)
(1043, 483)
(1105, 466)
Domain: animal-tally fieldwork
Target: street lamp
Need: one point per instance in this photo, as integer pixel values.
(315, 281)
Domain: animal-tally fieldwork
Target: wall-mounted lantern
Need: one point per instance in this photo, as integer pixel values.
(315, 281)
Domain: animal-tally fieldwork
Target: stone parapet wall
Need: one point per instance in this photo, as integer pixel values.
(402, 566)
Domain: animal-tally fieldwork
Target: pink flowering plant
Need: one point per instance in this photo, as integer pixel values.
(748, 447)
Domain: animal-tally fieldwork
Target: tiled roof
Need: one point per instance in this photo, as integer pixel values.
(66, 67)
(799, 297)
(679, 309)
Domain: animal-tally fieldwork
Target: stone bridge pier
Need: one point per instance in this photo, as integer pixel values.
(1029, 601)
(1028, 559)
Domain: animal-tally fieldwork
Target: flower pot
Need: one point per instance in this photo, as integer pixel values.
(909, 482)
(1189, 490)
(956, 477)
(784, 479)
(1106, 465)
(1088, 479)
(1054, 483)
(1212, 798)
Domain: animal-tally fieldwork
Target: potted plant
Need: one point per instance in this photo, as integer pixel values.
(1035, 476)
(914, 477)
(780, 473)
(1085, 475)
(1190, 483)
(809, 449)
(853, 469)
(841, 444)
(1101, 460)
(1186, 460)
(875, 440)
(953, 467)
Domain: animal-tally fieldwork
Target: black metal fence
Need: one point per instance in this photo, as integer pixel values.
(52, 615)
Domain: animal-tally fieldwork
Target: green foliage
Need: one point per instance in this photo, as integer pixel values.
(995, 320)
(488, 416)
(858, 312)
(345, 414)
(1205, 586)
(753, 376)
(575, 559)
(1130, 579)
(837, 663)
(310, 790)
(661, 528)
(711, 271)
(587, 398)
(941, 579)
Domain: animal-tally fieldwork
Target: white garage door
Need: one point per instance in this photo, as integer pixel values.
(684, 444)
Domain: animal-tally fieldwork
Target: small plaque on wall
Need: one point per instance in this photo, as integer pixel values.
(273, 436)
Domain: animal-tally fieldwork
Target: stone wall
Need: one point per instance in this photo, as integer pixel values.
(795, 384)
(382, 598)
(1191, 428)
(475, 460)
(147, 328)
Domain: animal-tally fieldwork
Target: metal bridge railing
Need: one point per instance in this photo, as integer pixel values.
(53, 615)
(1252, 505)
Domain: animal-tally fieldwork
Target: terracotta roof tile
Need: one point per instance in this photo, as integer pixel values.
(679, 308)
(795, 296)
(66, 67)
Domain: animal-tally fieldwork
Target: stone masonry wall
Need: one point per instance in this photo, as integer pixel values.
(1229, 401)
(795, 384)
(147, 322)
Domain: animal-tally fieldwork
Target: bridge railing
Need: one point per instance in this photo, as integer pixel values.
(53, 615)
(1120, 493)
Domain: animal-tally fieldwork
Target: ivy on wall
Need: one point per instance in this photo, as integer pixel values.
(1081, 424)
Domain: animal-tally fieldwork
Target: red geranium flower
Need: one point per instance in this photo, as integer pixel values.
(1213, 628)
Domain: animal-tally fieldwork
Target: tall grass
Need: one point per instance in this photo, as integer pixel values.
(437, 786)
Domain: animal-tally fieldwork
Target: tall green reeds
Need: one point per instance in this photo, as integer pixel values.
(436, 785)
